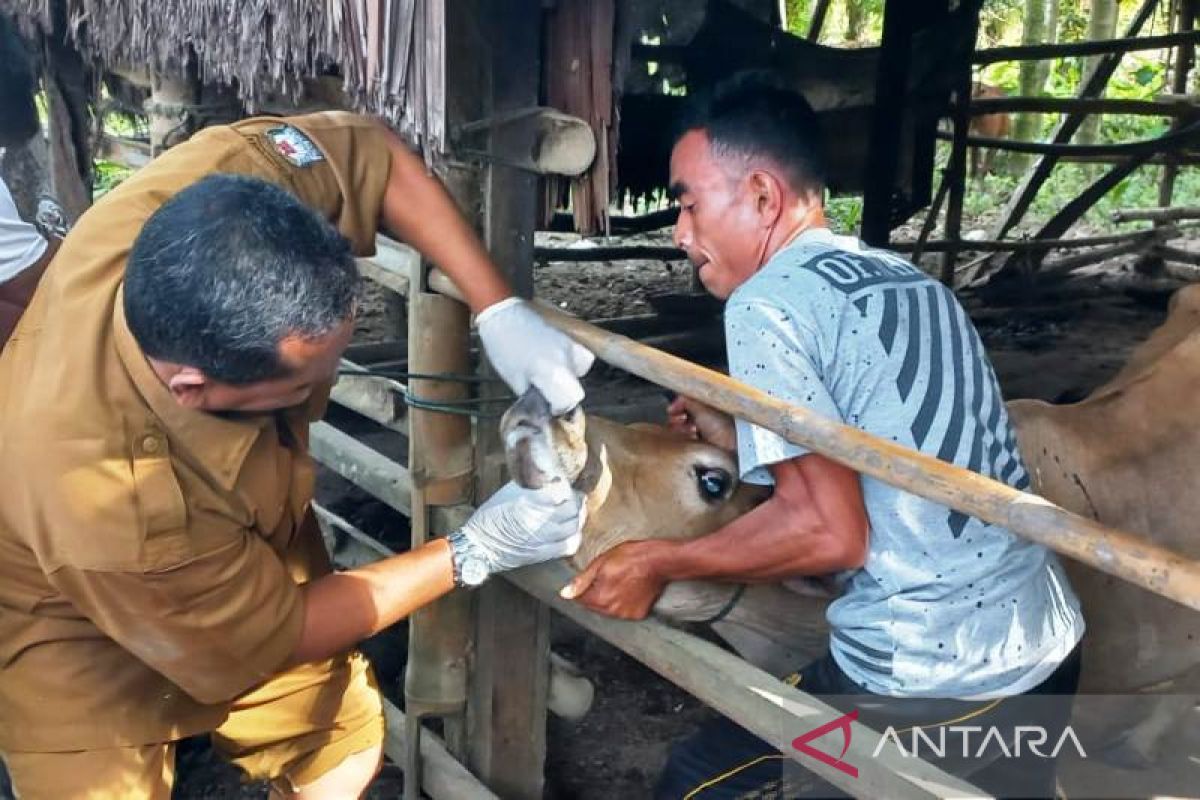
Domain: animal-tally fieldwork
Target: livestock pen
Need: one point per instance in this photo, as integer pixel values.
(480, 663)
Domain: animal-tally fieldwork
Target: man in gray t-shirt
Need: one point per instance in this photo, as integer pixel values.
(945, 604)
(940, 617)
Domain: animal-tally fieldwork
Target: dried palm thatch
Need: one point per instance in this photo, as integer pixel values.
(389, 52)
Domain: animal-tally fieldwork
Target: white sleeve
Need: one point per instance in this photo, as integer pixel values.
(20, 243)
(773, 351)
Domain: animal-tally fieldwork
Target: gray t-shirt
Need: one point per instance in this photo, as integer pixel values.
(946, 605)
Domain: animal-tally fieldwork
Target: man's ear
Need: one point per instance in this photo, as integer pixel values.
(767, 193)
(188, 386)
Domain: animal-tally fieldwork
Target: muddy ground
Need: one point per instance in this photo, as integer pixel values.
(1056, 345)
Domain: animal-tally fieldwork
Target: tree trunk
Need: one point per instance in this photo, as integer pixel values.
(1033, 78)
(24, 170)
(1050, 34)
(856, 18)
(1101, 25)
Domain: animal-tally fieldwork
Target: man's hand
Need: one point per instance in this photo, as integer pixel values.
(516, 527)
(692, 418)
(526, 351)
(620, 583)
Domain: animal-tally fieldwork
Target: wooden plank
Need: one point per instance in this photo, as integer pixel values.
(818, 21)
(1086, 105)
(366, 468)
(757, 701)
(1160, 214)
(391, 264)
(349, 547)
(1092, 85)
(1020, 245)
(1096, 47)
(442, 776)
(626, 253)
(379, 399)
(1115, 552)
(1180, 138)
(956, 171)
(653, 221)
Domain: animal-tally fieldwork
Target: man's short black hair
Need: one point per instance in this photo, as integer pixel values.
(753, 114)
(227, 269)
(18, 85)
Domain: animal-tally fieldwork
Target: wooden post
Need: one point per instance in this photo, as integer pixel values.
(510, 676)
(1184, 57)
(440, 463)
(900, 21)
(818, 20)
(956, 170)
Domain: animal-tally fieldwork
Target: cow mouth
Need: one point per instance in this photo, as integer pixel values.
(539, 448)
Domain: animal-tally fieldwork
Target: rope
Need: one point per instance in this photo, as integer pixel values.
(468, 407)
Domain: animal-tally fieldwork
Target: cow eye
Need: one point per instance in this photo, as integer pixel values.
(714, 482)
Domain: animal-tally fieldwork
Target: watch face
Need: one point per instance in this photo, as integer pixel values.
(474, 571)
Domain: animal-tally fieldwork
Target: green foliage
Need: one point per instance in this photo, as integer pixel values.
(107, 177)
(985, 197)
(844, 213)
(799, 16)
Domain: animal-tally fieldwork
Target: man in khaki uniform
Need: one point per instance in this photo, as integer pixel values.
(161, 574)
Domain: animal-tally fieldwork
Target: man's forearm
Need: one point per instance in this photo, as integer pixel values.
(418, 209)
(769, 543)
(343, 608)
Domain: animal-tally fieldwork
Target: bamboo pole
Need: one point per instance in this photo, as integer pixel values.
(1095, 47)
(440, 459)
(1161, 214)
(1115, 552)
(1161, 107)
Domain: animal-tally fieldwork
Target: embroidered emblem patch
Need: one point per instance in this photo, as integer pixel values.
(294, 146)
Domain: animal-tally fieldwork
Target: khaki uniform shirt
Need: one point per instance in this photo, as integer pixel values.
(150, 555)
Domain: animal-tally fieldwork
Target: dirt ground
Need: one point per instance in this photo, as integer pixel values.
(1056, 346)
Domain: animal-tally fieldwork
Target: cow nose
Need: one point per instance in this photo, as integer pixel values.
(531, 409)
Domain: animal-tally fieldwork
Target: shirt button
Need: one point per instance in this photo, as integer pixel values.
(151, 445)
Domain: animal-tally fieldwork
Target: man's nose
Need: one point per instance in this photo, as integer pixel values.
(682, 235)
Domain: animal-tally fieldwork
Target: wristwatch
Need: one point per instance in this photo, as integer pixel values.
(470, 567)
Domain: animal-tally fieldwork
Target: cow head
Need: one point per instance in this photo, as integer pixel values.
(641, 481)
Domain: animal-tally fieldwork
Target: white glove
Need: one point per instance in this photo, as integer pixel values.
(516, 527)
(526, 350)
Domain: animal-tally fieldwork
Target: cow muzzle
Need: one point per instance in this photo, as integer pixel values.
(541, 448)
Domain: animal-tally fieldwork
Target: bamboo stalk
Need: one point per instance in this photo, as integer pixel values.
(1156, 214)
(1128, 44)
(1109, 550)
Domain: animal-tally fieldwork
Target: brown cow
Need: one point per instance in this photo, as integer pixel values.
(1126, 456)
(990, 126)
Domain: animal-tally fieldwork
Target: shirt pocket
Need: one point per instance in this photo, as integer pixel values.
(162, 509)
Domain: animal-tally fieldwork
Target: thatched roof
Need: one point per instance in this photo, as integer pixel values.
(389, 52)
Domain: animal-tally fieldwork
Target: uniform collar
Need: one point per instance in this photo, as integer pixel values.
(217, 444)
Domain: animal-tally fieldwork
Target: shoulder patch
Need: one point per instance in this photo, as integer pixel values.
(293, 145)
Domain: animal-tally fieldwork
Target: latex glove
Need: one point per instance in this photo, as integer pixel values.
(526, 351)
(516, 527)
